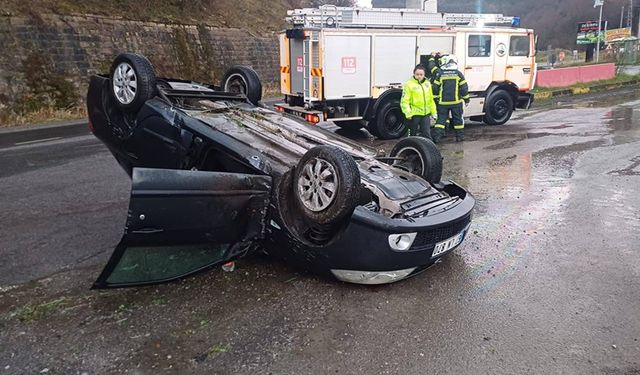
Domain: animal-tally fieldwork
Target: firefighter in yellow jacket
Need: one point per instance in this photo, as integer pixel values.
(417, 103)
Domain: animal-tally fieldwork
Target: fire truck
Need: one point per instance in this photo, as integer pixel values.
(347, 65)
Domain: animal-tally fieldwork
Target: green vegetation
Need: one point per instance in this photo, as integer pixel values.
(48, 95)
(31, 313)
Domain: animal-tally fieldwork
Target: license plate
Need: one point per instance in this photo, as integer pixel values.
(446, 245)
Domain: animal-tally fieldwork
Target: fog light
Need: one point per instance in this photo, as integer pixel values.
(371, 277)
(401, 242)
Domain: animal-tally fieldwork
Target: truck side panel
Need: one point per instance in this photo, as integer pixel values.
(297, 66)
(285, 65)
(347, 66)
(393, 69)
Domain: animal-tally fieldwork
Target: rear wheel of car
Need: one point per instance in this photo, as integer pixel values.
(390, 122)
(326, 184)
(498, 108)
(241, 79)
(350, 124)
(419, 156)
(133, 81)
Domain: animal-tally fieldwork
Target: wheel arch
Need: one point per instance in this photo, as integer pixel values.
(391, 94)
(507, 86)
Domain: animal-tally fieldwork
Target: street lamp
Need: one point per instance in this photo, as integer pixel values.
(599, 3)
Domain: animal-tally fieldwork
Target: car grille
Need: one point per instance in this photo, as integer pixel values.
(427, 240)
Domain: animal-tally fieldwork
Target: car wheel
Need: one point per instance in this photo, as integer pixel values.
(499, 108)
(419, 156)
(350, 124)
(327, 184)
(390, 121)
(241, 79)
(133, 81)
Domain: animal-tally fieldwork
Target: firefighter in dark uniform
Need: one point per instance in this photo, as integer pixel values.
(450, 90)
(433, 66)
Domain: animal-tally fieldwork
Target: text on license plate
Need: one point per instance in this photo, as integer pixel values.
(446, 245)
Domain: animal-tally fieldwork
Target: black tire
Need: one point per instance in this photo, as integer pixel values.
(144, 77)
(390, 122)
(350, 124)
(422, 158)
(243, 80)
(498, 108)
(346, 184)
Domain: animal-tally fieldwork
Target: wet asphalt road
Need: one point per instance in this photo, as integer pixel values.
(547, 283)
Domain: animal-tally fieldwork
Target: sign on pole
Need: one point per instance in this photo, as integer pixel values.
(588, 33)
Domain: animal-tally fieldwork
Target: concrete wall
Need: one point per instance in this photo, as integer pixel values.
(564, 77)
(74, 47)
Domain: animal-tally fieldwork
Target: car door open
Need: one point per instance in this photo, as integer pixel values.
(182, 221)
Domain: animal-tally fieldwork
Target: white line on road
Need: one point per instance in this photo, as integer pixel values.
(37, 141)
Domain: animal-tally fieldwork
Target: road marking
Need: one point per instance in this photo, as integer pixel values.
(37, 141)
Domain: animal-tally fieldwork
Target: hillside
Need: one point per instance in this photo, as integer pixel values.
(251, 15)
(554, 21)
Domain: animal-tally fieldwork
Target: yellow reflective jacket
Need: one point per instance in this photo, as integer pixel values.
(417, 99)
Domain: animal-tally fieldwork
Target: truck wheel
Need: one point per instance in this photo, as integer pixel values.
(390, 122)
(241, 79)
(133, 81)
(326, 184)
(350, 124)
(419, 156)
(499, 108)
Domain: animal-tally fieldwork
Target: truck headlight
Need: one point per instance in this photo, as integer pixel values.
(402, 242)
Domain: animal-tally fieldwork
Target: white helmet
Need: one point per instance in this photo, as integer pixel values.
(449, 62)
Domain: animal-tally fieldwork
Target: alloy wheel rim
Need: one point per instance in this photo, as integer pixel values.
(125, 83)
(317, 184)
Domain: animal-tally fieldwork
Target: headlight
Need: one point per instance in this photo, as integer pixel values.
(402, 242)
(371, 277)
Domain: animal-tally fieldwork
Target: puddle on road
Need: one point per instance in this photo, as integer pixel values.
(522, 176)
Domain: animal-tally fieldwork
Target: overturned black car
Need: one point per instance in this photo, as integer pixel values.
(215, 175)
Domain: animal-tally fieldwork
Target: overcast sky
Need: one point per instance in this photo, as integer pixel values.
(364, 3)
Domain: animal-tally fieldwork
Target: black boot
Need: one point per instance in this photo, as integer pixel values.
(459, 137)
(437, 135)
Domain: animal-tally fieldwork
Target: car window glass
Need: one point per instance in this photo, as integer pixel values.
(479, 45)
(152, 264)
(519, 46)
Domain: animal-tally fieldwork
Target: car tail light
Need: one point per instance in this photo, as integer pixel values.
(279, 108)
(91, 126)
(314, 119)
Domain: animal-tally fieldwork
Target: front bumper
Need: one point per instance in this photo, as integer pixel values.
(525, 100)
(362, 253)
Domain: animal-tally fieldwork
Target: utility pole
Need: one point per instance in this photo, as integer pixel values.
(599, 3)
(622, 17)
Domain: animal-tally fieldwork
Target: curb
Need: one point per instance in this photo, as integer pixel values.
(583, 90)
(26, 128)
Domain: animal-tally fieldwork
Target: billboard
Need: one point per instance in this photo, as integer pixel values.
(617, 34)
(588, 32)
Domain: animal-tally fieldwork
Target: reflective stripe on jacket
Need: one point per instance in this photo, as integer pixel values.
(450, 87)
(417, 99)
